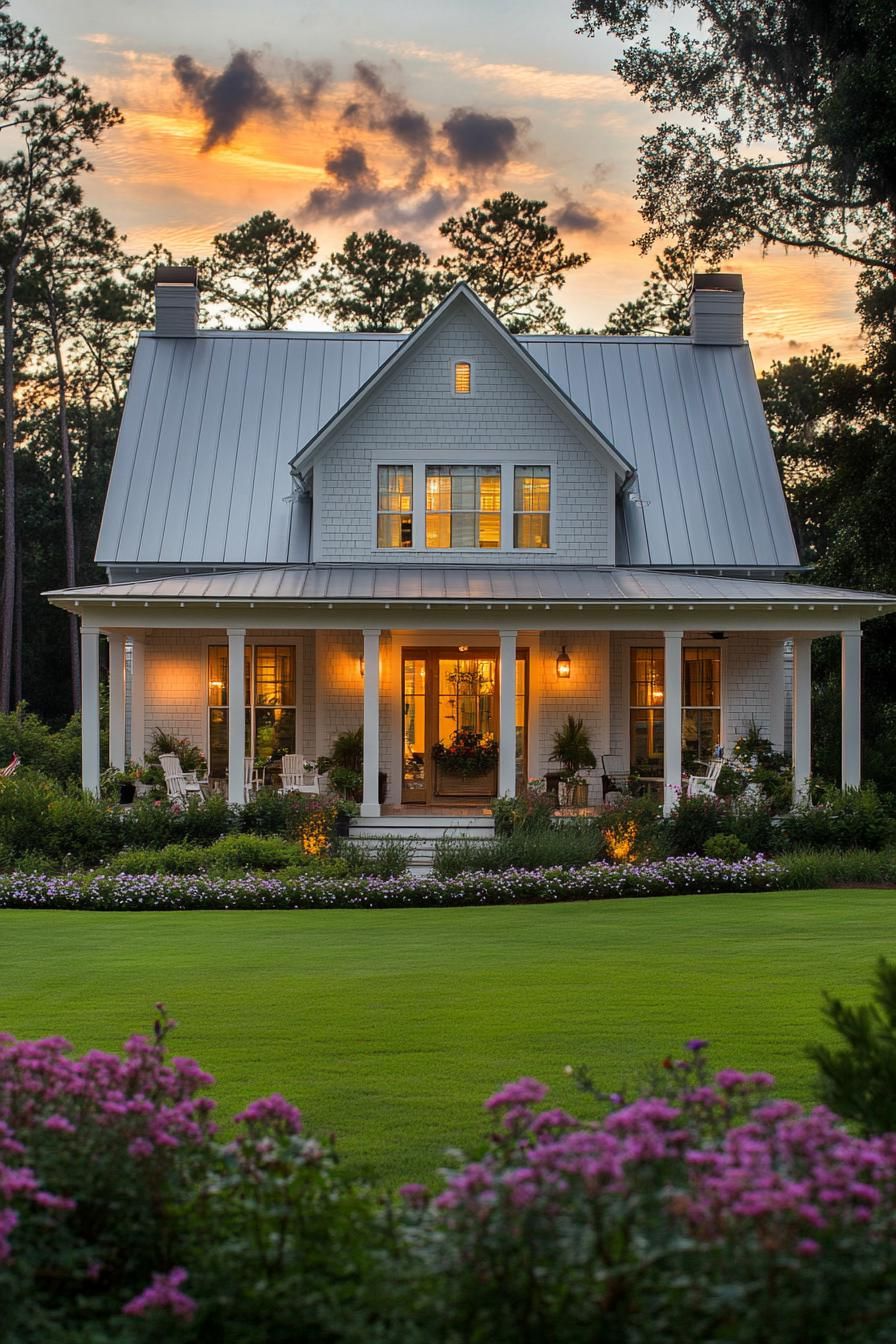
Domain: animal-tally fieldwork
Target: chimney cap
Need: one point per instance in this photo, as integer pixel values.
(176, 275)
(728, 281)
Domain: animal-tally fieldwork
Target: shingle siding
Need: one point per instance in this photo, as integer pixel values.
(415, 410)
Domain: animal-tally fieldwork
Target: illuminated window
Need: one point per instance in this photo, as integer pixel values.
(531, 508)
(463, 508)
(270, 688)
(394, 505)
(700, 707)
(463, 378)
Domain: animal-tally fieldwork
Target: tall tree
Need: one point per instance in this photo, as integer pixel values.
(791, 122)
(662, 308)
(513, 258)
(259, 272)
(72, 251)
(376, 282)
(47, 118)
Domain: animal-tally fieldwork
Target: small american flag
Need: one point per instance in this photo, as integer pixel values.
(11, 768)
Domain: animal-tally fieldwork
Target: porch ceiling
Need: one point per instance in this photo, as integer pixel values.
(474, 586)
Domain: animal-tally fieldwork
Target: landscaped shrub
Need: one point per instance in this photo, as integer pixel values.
(387, 857)
(725, 846)
(572, 842)
(264, 853)
(703, 1211)
(694, 820)
(38, 815)
(55, 754)
(202, 822)
(531, 810)
(804, 869)
(847, 819)
(858, 1079)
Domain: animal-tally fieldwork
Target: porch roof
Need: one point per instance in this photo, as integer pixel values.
(472, 585)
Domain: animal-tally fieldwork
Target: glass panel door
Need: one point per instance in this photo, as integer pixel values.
(414, 754)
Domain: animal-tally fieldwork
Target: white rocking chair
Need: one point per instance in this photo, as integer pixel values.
(704, 786)
(298, 775)
(180, 784)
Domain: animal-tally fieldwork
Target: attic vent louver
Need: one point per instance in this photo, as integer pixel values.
(177, 301)
(717, 309)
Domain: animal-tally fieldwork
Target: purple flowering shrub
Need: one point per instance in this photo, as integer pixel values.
(705, 1211)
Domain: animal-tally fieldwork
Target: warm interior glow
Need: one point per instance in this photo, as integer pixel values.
(462, 378)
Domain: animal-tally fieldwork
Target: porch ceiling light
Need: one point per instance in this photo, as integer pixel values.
(563, 663)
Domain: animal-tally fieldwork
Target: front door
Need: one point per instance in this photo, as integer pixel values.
(451, 705)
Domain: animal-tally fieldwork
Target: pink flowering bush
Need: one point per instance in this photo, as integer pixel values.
(707, 1210)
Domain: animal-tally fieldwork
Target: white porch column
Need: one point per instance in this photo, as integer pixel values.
(138, 698)
(802, 717)
(672, 719)
(90, 708)
(236, 716)
(507, 714)
(850, 709)
(116, 698)
(370, 802)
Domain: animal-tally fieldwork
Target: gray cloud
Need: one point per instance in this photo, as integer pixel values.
(354, 188)
(307, 82)
(479, 141)
(575, 216)
(379, 108)
(228, 99)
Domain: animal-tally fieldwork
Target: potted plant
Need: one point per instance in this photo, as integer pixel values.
(468, 763)
(346, 808)
(347, 754)
(572, 748)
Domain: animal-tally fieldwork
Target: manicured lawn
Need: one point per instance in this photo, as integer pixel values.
(390, 1028)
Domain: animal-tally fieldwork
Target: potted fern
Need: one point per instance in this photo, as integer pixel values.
(572, 748)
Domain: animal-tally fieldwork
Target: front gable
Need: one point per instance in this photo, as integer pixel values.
(513, 419)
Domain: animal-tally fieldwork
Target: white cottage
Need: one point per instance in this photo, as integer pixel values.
(455, 531)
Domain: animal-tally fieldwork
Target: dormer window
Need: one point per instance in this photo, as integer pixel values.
(463, 378)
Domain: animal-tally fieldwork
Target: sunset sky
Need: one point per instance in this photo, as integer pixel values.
(392, 114)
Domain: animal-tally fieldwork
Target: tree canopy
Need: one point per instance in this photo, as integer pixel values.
(513, 258)
(259, 272)
(787, 122)
(375, 282)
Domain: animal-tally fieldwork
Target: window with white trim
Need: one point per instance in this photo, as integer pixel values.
(395, 507)
(463, 507)
(531, 508)
(269, 673)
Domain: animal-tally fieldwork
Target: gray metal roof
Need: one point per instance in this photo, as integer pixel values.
(468, 584)
(201, 472)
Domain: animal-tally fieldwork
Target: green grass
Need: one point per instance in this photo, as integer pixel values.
(390, 1028)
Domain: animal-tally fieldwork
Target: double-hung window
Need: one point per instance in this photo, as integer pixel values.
(394, 507)
(463, 507)
(269, 674)
(531, 508)
(701, 714)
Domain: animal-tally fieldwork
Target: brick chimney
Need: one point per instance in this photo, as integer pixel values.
(717, 309)
(177, 301)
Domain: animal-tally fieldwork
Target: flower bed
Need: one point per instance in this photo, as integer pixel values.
(593, 882)
(704, 1210)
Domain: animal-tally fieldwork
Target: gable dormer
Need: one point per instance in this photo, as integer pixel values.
(462, 450)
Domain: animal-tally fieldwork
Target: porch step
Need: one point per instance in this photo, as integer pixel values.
(424, 831)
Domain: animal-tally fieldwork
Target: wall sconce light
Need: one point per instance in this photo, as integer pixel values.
(563, 663)
(361, 666)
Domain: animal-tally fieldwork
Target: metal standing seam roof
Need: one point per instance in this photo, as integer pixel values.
(201, 472)
(468, 584)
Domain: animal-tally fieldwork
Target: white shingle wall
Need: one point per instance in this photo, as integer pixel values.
(175, 686)
(754, 686)
(584, 695)
(416, 408)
